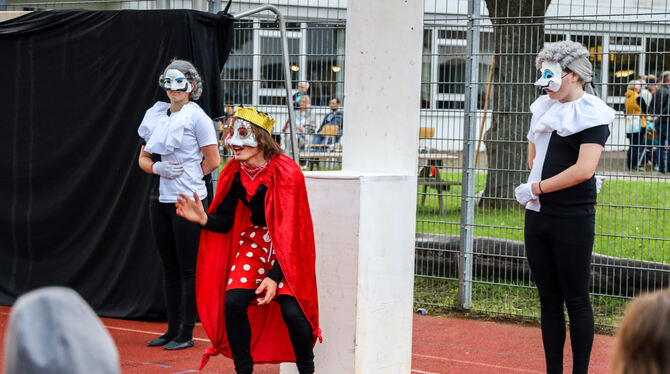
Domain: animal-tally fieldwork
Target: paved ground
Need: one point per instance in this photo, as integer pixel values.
(441, 345)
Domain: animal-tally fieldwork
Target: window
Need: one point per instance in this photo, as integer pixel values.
(552, 38)
(595, 45)
(623, 69)
(272, 69)
(657, 56)
(325, 62)
(426, 57)
(624, 65)
(486, 52)
(238, 72)
(451, 69)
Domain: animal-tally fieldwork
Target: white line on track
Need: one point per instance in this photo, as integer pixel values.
(516, 370)
(423, 372)
(135, 330)
(148, 332)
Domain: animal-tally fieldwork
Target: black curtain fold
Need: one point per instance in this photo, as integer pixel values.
(73, 201)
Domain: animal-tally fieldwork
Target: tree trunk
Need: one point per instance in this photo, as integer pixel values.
(518, 32)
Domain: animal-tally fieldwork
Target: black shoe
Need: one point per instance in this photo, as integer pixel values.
(173, 345)
(159, 342)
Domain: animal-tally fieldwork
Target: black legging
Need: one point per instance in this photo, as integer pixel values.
(559, 254)
(177, 241)
(239, 330)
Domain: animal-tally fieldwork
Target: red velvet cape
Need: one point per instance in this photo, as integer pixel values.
(290, 225)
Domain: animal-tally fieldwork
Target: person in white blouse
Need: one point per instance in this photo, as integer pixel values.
(183, 136)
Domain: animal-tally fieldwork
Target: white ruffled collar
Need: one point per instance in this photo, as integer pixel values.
(568, 118)
(164, 133)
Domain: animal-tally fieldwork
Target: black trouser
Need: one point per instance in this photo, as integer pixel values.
(663, 130)
(177, 241)
(239, 330)
(635, 150)
(559, 255)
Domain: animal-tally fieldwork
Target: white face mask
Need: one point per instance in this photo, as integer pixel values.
(175, 80)
(551, 76)
(241, 134)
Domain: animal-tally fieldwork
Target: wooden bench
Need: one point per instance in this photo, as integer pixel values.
(426, 180)
(316, 159)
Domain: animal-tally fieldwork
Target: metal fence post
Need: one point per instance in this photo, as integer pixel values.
(287, 71)
(469, 139)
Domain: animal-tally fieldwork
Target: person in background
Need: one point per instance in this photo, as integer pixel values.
(636, 124)
(660, 107)
(52, 330)
(304, 123)
(643, 336)
(302, 91)
(224, 121)
(645, 92)
(335, 117)
(182, 134)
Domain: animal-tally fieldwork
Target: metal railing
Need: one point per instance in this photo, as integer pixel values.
(470, 252)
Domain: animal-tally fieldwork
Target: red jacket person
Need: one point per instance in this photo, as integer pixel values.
(256, 260)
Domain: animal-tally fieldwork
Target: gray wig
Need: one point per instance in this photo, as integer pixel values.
(570, 55)
(189, 72)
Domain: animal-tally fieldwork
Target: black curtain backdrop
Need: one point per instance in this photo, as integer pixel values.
(73, 201)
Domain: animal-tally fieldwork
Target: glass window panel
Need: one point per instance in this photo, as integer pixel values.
(595, 45)
(486, 51)
(552, 38)
(444, 104)
(623, 69)
(657, 56)
(426, 68)
(238, 71)
(272, 73)
(325, 60)
(451, 69)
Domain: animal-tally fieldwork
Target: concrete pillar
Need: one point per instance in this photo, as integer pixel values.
(382, 85)
(364, 216)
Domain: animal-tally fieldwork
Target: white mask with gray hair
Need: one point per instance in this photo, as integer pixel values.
(175, 80)
(550, 77)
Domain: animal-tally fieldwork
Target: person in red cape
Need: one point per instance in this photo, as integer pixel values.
(255, 280)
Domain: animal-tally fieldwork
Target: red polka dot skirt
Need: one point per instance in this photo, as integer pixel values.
(253, 261)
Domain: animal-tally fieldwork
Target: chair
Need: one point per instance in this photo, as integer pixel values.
(425, 133)
(330, 132)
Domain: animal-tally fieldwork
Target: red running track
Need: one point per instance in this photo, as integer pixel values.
(441, 345)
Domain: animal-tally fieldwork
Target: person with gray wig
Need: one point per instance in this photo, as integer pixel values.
(53, 330)
(570, 57)
(180, 147)
(568, 131)
(190, 73)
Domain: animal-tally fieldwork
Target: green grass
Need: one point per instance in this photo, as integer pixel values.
(632, 218)
(632, 221)
(514, 301)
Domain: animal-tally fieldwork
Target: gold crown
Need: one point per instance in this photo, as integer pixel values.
(261, 120)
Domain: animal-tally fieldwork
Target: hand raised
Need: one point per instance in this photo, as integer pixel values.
(191, 210)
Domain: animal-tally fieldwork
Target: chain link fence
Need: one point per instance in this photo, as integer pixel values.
(477, 84)
(470, 251)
